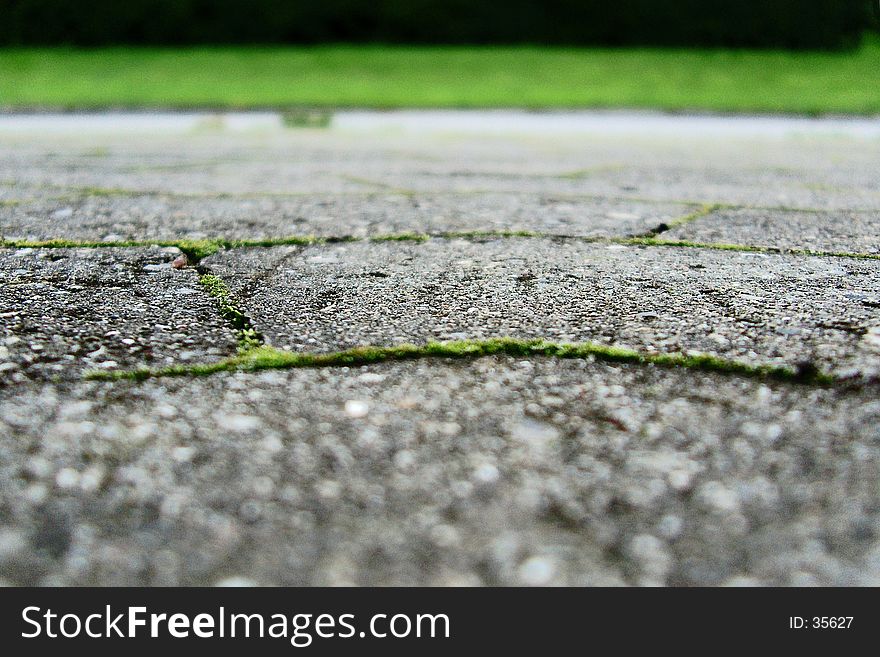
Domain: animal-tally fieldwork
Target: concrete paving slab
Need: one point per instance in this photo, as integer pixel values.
(759, 308)
(146, 217)
(660, 180)
(486, 471)
(840, 231)
(237, 180)
(70, 310)
(791, 170)
(494, 471)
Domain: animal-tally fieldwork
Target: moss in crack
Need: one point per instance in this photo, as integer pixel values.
(581, 174)
(464, 235)
(248, 338)
(196, 250)
(72, 244)
(199, 249)
(833, 254)
(263, 357)
(494, 234)
(401, 237)
(746, 248)
(379, 185)
(703, 211)
(651, 241)
(294, 240)
(109, 191)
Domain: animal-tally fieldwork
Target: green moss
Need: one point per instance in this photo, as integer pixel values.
(108, 191)
(834, 254)
(76, 244)
(263, 357)
(248, 338)
(452, 235)
(492, 234)
(198, 249)
(746, 248)
(401, 237)
(379, 185)
(306, 240)
(195, 250)
(703, 211)
(581, 174)
(714, 246)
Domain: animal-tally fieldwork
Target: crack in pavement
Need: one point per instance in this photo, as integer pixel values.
(704, 211)
(255, 354)
(196, 250)
(374, 187)
(264, 357)
(247, 336)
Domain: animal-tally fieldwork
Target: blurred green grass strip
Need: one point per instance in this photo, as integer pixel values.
(811, 82)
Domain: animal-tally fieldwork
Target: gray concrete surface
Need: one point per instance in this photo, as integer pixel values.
(752, 307)
(480, 471)
(139, 217)
(839, 231)
(70, 310)
(494, 471)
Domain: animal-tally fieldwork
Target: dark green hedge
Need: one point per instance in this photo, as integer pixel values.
(761, 23)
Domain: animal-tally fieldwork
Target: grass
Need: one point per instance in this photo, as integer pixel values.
(383, 77)
(263, 357)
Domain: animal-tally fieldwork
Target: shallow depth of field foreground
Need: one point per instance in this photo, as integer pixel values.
(450, 348)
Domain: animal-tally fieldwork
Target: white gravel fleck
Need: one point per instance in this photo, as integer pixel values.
(536, 571)
(356, 409)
